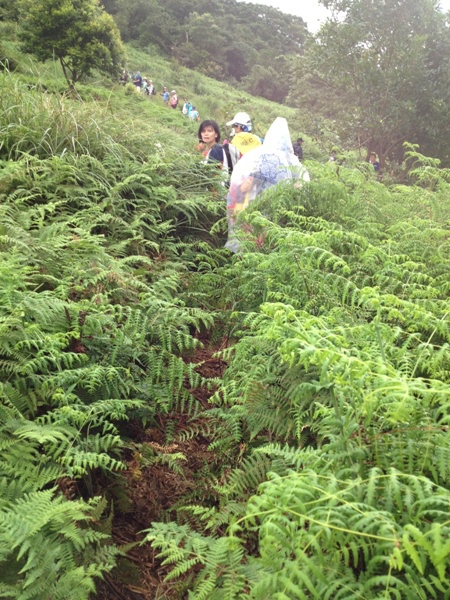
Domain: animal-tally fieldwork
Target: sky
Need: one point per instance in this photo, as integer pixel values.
(310, 10)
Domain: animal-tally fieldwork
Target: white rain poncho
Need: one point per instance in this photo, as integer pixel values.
(259, 169)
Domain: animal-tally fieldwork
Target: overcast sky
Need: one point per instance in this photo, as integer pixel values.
(310, 10)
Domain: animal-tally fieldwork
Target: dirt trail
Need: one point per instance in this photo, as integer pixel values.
(149, 492)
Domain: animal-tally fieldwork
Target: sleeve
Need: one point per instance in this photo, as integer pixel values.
(216, 154)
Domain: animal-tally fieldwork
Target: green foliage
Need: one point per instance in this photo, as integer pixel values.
(8, 10)
(336, 393)
(352, 74)
(222, 40)
(329, 474)
(79, 33)
(319, 536)
(93, 325)
(48, 546)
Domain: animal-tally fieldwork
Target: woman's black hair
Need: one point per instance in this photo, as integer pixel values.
(209, 123)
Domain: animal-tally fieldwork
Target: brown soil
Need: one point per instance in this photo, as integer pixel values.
(152, 491)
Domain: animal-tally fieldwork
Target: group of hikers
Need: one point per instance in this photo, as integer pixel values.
(190, 111)
(142, 84)
(170, 98)
(249, 165)
(227, 153)
(146, 86)
(242, 143)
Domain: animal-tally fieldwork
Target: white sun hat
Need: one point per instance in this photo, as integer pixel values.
(241, 118)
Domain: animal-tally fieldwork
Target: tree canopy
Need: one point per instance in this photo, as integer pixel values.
(381, 72)
(77, 32)
(227, 40)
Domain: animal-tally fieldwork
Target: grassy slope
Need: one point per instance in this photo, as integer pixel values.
(340, 249)
(214, 100)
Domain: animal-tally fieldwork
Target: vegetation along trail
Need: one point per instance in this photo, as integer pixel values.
(177, 421)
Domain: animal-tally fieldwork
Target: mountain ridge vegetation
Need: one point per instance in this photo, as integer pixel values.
(377, 74)
(312, 461)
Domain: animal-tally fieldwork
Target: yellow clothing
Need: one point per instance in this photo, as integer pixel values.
(245, 142)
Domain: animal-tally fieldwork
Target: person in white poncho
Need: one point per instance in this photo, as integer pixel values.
(260, 169)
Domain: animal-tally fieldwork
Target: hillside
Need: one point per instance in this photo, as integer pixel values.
(248, 44)
(179, 421)
(213, 99)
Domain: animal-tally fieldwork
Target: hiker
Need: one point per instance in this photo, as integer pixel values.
(298, 150)
(213, 151)
(240, 123)
(209, 136)
(373, 161)
(193, 114)
(150, 88)
(144, 85)
(272, 163)
(185, 109)
(174, 99)
(124, 78)
(166, 96)
(243, 139)
(138, 81)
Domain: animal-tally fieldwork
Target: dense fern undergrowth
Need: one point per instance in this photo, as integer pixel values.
(331, 423)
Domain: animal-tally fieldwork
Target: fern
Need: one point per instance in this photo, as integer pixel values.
(43, 540)
(328, 431)
(318, 535)
(334, 404)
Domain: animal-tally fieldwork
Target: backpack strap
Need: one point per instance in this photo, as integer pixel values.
(229, 161)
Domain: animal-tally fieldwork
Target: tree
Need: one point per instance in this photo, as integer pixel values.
(381, 71)
(266, 82)
(8, 11)
(224, 39)
(203, 45)
(146, 21)
(77, 32)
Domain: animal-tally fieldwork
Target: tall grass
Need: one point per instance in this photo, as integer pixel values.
(214, 99)
(36, 121)
(45, 124)
(54, 120)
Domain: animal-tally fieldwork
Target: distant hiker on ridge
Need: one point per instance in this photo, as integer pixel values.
(138, 81)
(298, 150)
(174, 100)
(193, 114)
(373, 161)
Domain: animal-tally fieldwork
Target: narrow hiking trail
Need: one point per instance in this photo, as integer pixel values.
(145, 494)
